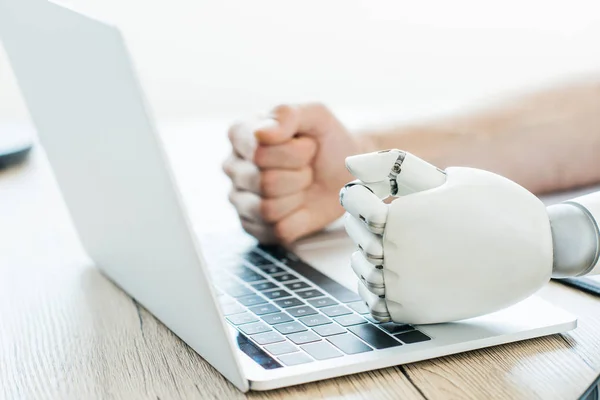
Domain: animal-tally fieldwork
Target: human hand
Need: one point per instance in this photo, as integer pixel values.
(287, 168)
(456, 245)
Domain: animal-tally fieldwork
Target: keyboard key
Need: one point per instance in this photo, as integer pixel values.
(256, 259)
(349, 344)
(285, 277)
(372, 320)
(276, 294)
(264, 309)
(251, 277)
(393, 328)
(240, 319)
(235, 267)
(251, 300)
(329, 329)
(360, 307)
(412, 337)
(271, 269)
(281, 348)
(315, 320)
(264, 286)
(321, 280)
(309, 294)
(229, 309)
(289, 327)
(297, 285)
(295, 359)
(274, 250)
(304, 337)
(322, 302)
(253, 351)
(351, 319)
(374, 336)
(335, 311)
(301, 311)
(278, 318)
(237, 290)
(321, 350)
(291, 302)
(268, 338)
(253, 329)
(227, 260)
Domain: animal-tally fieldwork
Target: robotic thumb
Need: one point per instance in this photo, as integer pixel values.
(405, 172)
(372, 167)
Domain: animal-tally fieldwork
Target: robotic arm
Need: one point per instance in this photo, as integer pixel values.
(458, 243)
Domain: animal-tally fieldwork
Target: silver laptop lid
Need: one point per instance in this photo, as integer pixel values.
(84, 98)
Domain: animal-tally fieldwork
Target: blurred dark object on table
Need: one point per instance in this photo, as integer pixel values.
(14, 146)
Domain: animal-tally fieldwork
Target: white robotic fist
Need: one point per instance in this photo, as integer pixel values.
(454, 244)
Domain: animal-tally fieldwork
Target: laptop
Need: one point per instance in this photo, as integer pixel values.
(261, 315)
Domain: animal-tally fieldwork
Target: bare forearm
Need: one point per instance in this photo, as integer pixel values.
(548, 141)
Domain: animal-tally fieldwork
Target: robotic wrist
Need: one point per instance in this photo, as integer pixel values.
(575, 236)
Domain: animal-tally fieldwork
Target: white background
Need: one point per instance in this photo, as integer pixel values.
(407, 58)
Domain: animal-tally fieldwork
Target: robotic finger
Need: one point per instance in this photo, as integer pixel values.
(362, 203)
(369, 244)
(370, 275)
(377, 304)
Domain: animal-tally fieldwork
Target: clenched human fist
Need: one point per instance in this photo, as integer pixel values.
(286, 168)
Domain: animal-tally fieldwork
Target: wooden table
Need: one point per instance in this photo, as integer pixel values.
(67, 332)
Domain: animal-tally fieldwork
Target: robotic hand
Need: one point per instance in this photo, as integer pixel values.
(458, 243)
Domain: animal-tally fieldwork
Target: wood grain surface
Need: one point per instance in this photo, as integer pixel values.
(66, 332)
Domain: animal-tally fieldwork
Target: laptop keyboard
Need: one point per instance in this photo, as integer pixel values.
(288, 313)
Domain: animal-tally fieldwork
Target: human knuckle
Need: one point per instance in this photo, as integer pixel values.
(284, 108)
(269, 181)
(282, 231)
(233, 129)
(227, 167)
(268, 210)
(285, 112)
(320, 109)
(231, 196)
(261, 156)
